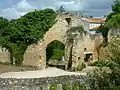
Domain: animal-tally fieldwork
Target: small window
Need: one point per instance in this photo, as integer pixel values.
(68, 20)
(85, 49)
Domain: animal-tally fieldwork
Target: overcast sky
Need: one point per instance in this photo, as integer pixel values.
(13, 9)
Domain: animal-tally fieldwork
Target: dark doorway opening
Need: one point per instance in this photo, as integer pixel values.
(88, 56)
(54, 54)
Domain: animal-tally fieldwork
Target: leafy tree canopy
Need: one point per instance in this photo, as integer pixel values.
(113, 19)
(3, 23)
(28, 29)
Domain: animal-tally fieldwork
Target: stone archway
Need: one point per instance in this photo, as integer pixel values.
(35, 54)
(55, 51)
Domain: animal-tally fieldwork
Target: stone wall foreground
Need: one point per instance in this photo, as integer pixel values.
(40, 83)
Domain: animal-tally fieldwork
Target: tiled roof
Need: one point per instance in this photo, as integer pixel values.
(95, 20)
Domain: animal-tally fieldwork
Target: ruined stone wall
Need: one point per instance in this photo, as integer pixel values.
(36, 54)
(4, 55)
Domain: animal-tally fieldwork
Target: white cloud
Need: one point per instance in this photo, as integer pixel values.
(10, 13)
(20, 9)
(71, 5)
(24, 6)
(90, 7)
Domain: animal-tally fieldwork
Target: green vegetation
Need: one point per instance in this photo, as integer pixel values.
(53, 87)
(101, 80)
(103, 29)
(113, 19)
(80, 67)
(68, 86)
(18, 34)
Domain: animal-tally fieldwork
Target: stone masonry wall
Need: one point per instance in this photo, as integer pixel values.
(40, 83)
(37, 54)
(4, 55)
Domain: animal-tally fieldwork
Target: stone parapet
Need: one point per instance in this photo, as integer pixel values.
(40, 83)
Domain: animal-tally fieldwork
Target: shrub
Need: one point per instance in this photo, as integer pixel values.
(53, 87)
(80, 67)
(101, 80)
(103, 63)
(100, 63)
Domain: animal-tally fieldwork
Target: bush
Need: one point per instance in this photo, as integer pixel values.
(80, 66)
(57, 54)
(100, 63)
(53, 87)
(101, 80)
(75, 86)
(103, 63)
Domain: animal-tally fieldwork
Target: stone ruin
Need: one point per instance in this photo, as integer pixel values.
(35, 55)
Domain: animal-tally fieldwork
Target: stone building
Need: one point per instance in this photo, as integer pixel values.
(35, 55)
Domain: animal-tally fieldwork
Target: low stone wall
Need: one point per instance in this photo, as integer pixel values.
(40, 83)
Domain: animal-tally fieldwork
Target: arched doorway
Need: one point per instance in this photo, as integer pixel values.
(55, 52)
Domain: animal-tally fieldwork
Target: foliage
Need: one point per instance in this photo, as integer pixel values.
(80, 66)
(57, 54)
(116, 6)
(74, 86)
(100, 80)
(104, 30)
(100, 63)
(3, 23)
(28, 29)
(105, 63)
(114, 50)
(112, 20)
(53, 87)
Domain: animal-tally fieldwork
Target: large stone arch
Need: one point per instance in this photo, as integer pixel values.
(35, 54)
(54, 45)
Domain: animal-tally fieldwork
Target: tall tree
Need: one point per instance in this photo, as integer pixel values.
(26, 30)
(113, 19)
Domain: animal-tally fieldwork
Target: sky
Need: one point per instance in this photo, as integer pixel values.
(13, 9)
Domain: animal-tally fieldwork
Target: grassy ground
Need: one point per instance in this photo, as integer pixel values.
(10, 68)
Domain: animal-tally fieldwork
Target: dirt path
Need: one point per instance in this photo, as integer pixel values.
(49, 72)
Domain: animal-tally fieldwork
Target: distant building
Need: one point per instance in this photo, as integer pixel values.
(95, 22)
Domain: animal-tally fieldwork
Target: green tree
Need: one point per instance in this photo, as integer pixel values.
(113, 19)
(104, 31)
(26, 30)
(3, 23)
